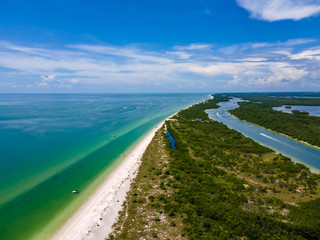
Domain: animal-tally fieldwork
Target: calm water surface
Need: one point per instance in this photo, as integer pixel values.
(296, 151)
(312, 110)
(52, 144)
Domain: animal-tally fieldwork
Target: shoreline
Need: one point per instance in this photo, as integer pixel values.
(294, 139)
(96, 216)
(312, 169)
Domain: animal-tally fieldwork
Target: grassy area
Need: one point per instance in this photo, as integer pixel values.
(143, 215)
(218, 184)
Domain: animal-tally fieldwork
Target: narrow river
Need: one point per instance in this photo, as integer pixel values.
(296, 151)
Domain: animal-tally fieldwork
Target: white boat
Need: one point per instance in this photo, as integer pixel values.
(76, 191)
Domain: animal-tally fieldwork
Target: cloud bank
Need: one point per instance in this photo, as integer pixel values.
(275, 10)
(196, 67)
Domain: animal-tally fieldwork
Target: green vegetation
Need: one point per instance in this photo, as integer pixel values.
(143, 216)
(297, 112)
(298, 125)
(218, 184)
(230, 186)
(278, 99)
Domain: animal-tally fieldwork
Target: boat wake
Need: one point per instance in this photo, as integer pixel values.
(267, 136)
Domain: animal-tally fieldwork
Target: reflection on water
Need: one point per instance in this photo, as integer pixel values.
(296, 151)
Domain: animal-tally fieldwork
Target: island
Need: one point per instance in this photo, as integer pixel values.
(299, 125)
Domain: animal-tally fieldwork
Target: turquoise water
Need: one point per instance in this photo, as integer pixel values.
(52, 144)
(296, 151)
(312, 110)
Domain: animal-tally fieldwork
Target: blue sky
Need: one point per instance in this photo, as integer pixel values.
(159, 46)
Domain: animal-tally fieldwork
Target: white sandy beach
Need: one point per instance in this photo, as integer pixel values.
(95, 218)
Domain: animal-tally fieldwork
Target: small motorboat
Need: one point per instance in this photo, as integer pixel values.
(76, 191)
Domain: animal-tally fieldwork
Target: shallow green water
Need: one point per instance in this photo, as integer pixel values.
(53, 144)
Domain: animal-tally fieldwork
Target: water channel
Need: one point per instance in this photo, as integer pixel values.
(296, 151)
(312, 110)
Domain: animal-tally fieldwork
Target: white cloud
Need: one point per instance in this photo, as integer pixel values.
(258, 73)
(216, 69)
(274, 10)
(289, 43)
(283, 73)
(194, 46)
(298, 41)
(312, 54)
(51, 81)
(194, 68)
(252, 59)
(180, 54)
(49, 78)
(279, 46)
(127, 52)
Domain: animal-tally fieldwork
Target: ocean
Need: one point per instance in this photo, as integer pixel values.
(52, 144)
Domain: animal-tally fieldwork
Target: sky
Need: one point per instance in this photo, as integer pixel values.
(142, 46)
